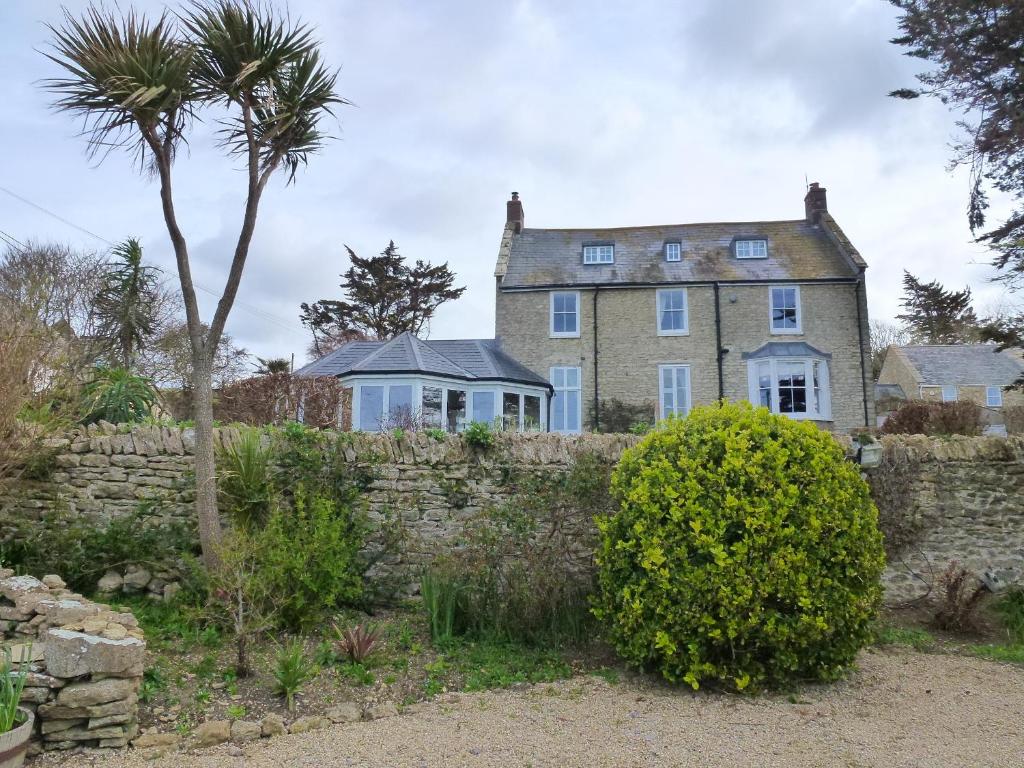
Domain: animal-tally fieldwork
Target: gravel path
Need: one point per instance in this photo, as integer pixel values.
(901, 709)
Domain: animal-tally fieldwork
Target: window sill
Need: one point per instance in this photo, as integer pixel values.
(685, 332)
(786, 331)
(563, 336)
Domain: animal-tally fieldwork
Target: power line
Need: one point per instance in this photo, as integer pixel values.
(253, 310)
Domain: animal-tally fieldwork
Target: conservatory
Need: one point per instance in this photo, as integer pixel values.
(410, 383)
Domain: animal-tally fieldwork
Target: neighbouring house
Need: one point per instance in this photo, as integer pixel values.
(888, 397)
(673, 316)
(409, 382)
(979, 373)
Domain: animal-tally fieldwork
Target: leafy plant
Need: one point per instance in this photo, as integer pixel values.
(745, 551)
(1010, 608)
(358, 642)
(918, 417)
(440, 591)
(236, 711)
(118, 396)
(436, 433)
(291, 672)
(960, 594)
(246, 480)
(12, 681)
(479, 435)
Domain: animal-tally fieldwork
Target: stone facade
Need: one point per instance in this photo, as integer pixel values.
(939, 500)
(86, 663)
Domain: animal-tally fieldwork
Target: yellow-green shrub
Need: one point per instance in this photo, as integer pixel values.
(745, 551)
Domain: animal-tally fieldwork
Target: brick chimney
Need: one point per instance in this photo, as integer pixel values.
(814, 202)
(514, 213)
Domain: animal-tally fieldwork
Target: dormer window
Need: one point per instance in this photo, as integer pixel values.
(673, 251)
(751, 249)
(599, 254)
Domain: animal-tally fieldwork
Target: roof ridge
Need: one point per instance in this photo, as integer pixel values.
(663, 226)
(439, 354)
(375, 353)
(415, 348)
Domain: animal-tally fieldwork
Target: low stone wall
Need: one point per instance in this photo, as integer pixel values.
(939, 499)
(86, 663)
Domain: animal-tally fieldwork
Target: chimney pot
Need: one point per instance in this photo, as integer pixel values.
(514, 215)
(815, 202)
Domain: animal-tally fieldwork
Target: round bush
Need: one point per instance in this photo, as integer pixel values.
(745, 551)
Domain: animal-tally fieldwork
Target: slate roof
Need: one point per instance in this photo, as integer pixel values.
(797, 250)
(889, 392)
(463, 359)
(963, 364)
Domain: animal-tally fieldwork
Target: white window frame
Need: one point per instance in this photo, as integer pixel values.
(599, 254)
(685, 330)
(551, 316)
(771, 311)
(824, 412)
(579, 400)
(747, 249)
(676, 368)
(994, 402)
(673, 251)
(949, 393)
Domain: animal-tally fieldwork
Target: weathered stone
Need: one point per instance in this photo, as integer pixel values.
(212, 732)
(35, 695)
(70, 654)
(56, 711)
(64, 612)
(114, 632)
(135, 579)
(53, 726)
(102, 722)
(53, 581)
(245, 730)
(344, 713)
(147, 740)
(387, 709)
(100, 692)
(14, 586)
(87, 734)
(109, 583)
(272, 725)
(308, 723)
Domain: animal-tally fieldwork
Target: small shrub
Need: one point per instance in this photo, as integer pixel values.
(1013, 417)
(1010, 609)
(359, 642)
(435, 433)
(291, 672)
(745, 551)
(308, 557)
(245, 480)
(960, 595)
(616, 416)
(523, 570)
(277, 398)
(919, 417)
(118, 396)
(479, 435)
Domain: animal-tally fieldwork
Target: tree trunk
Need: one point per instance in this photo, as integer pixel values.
(205, 460)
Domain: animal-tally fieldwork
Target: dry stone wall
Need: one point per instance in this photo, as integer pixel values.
(939, 499)
(86, 662)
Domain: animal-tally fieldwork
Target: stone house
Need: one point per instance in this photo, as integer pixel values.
(979, 373)
(669, 317)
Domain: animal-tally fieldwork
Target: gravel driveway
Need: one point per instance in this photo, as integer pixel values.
(900, 709)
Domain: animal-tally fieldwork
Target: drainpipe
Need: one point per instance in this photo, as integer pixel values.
(718, 344)
(860, 337)
(597, 400)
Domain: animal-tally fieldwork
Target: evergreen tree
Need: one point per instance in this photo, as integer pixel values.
(934, 315)
(384, 297)
(126, 304)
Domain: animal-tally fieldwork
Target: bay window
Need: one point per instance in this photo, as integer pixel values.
(796, 387)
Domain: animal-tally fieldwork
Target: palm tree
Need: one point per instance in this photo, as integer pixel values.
(273, 366)
(141, 84)
(126, 304)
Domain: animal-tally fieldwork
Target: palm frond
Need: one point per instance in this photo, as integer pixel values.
(250, 56)
(126, 77)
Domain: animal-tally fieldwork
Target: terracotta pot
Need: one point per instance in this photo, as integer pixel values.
(14, 743)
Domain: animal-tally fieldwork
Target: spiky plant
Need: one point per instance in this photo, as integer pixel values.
(117, 396)
(358, 642)
(140, 84)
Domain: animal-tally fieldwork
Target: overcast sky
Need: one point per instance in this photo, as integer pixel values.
(599, 114)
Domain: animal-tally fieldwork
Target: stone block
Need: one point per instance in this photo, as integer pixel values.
(15, 586)
(99, 692)
(344, 713)
(147, 740)
(71, 654)
(212, 732)
(308, 723)
(272, 725)
(245, 730)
